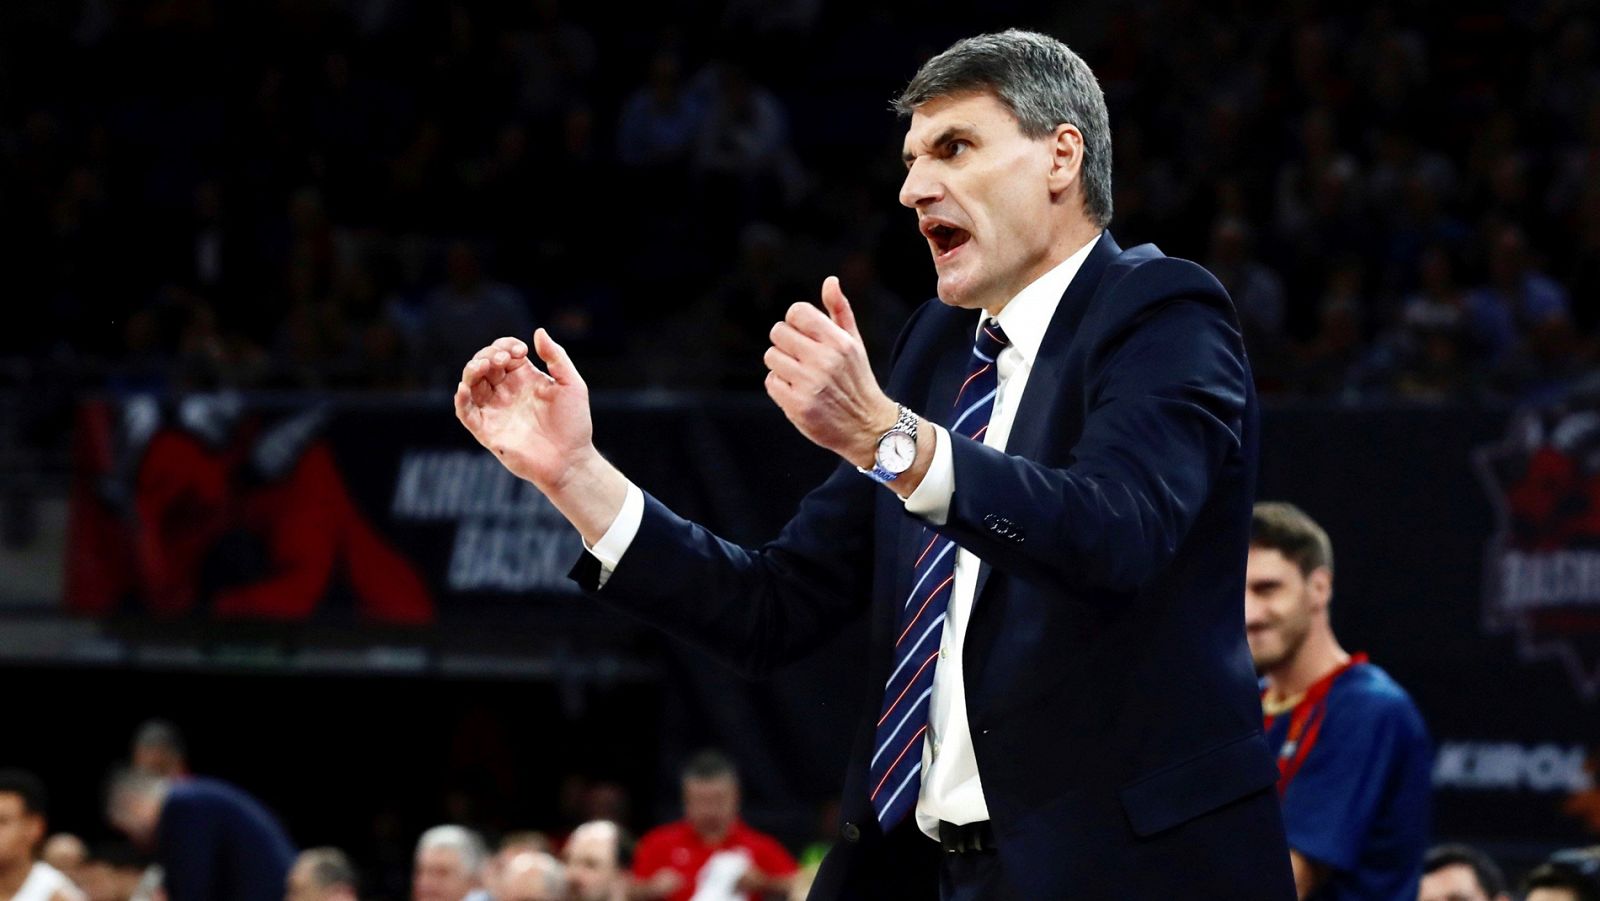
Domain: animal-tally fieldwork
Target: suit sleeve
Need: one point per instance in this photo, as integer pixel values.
(1165, 413)
(755, 609)
(189, 864)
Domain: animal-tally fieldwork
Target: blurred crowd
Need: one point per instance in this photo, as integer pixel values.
(184, 836)
(1403, 198)
(188, 837)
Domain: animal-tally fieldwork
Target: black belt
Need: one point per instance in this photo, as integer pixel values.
(967, 838)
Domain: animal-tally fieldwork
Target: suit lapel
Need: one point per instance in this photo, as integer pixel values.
(1029, 426)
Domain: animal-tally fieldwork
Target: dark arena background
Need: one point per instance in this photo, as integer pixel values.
(247, 247)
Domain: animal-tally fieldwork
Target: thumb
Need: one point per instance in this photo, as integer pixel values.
(555, 359)
(838, 307)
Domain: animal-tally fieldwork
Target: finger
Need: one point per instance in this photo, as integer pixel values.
(503, 365)
(812, 322)
(792, 341)
(839, 307)
(781, 392)
(513, 346)
(784, 366)
(555, 359)
(462, 395)
(474, 371)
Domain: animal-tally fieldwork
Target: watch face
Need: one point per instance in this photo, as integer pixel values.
(896, 452)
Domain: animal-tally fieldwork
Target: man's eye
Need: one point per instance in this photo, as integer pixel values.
(956, 148)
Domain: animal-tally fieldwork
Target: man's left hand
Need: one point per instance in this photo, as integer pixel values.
(821, 379)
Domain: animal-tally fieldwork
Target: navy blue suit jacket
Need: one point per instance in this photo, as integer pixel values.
(217, 843)
(1110, 693)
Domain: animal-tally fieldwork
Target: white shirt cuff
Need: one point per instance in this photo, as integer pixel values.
(931, 500)
(615, 542)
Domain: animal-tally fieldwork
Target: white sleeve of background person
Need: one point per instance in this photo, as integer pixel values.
(617, 539)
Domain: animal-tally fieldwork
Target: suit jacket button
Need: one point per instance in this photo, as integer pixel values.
(851, 832)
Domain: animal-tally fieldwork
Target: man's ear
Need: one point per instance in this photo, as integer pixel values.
(1320, 584)
(1066, 157)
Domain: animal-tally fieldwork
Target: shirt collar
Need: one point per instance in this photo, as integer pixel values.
(1028, 315)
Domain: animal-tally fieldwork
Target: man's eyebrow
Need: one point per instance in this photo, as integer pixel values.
(951, 133)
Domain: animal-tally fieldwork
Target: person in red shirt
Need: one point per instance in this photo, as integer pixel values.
(710, 853)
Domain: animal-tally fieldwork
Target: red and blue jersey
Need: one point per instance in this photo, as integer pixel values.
(1356, 769)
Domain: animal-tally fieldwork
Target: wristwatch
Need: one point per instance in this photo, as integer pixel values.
(897, 449)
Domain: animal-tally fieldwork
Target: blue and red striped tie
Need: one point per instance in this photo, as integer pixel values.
(903, 720)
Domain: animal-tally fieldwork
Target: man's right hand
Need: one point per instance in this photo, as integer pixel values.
(538, 425)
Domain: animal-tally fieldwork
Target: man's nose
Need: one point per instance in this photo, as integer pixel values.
(920, 187)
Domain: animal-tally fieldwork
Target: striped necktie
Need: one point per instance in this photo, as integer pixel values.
(903, 719)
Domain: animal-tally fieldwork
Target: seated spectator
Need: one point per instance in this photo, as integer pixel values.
(710, 850)
(659, 120)
(1572, 875)
(322, 874)
(211, 839)
(532, 876)
(1461, 873)
(597, 855)
(158, 749)
(113, 872)
(1427, 355)
(67, 853)
(743, 145)
(1518, 303)
(449, 864)
(1257, 294)
(22, 829)
(466, 313)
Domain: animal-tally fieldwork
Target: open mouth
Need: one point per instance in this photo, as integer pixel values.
(945, 239)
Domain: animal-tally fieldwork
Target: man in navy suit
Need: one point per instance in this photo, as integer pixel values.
(1044, 516)
(211, 839)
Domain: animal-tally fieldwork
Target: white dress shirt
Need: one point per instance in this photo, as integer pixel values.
(951, 789)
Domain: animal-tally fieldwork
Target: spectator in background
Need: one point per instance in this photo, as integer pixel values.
(1461, 873)
(1427, 354)
(113, 872)
(710, 849)
(467, 311)
(1519, 307)
(1257, 294)
(22, 828)
(532, 876)
(67, 853)
(598, 854)
(322, 874)
(158, 749)
(742, 150)
(211, 839)
(1326, 362)
(449, 864)
(1572, 875)
(1354, 759)
(659, 122)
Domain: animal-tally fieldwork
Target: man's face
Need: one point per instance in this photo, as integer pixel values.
(983, 197)
(592, 864)
(1280, 604)
(138, 816)
(441, 875)
(157, 760)
(20, 830)
(526, 879)
(711, 805)
(1454, 882)
(301, 886)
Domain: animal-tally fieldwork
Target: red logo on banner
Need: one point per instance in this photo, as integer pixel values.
(1542, 570)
